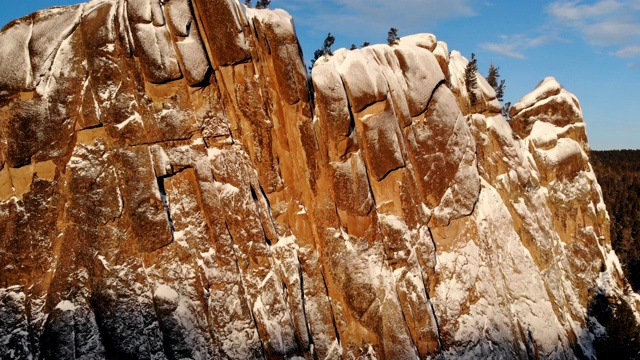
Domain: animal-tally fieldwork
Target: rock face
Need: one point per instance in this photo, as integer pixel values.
(170, 189)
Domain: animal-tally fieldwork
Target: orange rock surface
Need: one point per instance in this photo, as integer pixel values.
(174, 185)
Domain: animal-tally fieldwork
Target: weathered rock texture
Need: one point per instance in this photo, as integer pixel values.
(169, 190)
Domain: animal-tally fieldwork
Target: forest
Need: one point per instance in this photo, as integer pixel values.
(618, 173)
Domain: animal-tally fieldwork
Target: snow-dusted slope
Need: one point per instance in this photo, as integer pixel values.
(169, 189)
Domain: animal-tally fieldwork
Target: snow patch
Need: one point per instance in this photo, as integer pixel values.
(133, 118)
(66, 306)
(167, 294)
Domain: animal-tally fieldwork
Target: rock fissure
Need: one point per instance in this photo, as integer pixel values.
(332, 312)
(304, 305)
(165, 203)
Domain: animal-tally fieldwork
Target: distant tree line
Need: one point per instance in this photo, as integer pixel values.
(618, 173)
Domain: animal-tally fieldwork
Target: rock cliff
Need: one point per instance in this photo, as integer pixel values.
(173, 185)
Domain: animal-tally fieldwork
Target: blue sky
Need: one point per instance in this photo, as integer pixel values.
(591, 47)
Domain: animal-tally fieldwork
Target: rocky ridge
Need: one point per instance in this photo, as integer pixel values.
(171, 187)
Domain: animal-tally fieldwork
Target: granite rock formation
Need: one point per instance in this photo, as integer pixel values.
(172, 187)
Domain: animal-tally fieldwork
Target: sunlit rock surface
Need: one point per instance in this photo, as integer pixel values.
(172, 188)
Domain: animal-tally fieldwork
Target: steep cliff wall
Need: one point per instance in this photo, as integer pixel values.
(169, 188)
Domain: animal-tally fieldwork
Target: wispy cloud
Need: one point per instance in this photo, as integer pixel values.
(612, 24)
(509, 50)
(575, 11)
(365, 16)
(357, 21)
(515, 45)
(628, 52)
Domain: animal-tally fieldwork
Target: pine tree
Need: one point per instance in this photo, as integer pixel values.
(353, 47)
(470, 79)
(247, 3)
(325, 50)
(392, 36)
(365, 44)
(263, 4)
(493, 80)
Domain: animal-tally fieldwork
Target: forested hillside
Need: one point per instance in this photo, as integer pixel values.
(618, 173)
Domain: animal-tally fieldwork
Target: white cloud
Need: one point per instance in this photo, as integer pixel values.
(365, 16)
(503, 49)
(603, 23)
(628, 52)
(515, 45)
(574, 11)
(610, 32)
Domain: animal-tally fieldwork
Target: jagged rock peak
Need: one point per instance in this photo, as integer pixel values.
(170, 189)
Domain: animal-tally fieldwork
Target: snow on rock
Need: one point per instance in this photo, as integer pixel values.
(425, 41)
(192, 55)
(157, 53)
(65, 306)
(564, 150)
(547, 88)
(422, 73)
(442, 55)
(49, 29)
(194, 59)
(548, 102)
(166, 298)
(278, 29)
(485, 95)
(14, 328)
(179, 17)
(381, 135)
(166, 191)
(331, 97)
(15, 63)
(139, 11)
(363, 80)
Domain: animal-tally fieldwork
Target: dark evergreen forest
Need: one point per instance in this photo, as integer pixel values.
(618, 173)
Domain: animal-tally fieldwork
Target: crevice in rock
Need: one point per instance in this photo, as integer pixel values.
(206, 81)
(188, 30)
(392, 170)
(304, 304)
(404, 316)
(352, 118)
(29, 70)
(426, 291)
(435, 247)
(368, 105)
(333, 316)
(244, 288)
(268, 209)
(441, 83)
(165, 202)
(127, 27)
(92, 127)
(254, 196)
(373, 197)
(187, 137)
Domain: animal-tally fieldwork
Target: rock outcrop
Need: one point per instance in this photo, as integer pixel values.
(170, 189)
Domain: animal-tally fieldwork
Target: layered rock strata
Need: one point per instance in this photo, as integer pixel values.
(170, 189)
